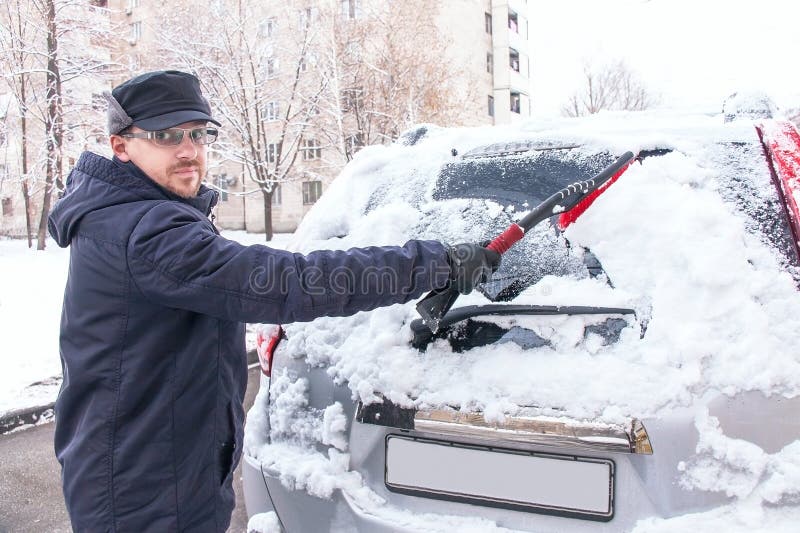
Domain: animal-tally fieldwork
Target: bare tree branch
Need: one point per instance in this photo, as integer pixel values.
(50, 68)
(611, 87)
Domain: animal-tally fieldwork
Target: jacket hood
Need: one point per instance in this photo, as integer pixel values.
(97, 183)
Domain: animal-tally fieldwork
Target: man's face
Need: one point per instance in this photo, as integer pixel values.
(179, 168)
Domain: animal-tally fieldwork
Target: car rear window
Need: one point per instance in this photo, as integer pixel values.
(746, 184)
(507, 180)
(519, 178)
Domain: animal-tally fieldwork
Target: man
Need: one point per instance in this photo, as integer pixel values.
(149, 418)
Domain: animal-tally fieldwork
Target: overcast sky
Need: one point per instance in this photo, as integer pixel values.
(691, 52)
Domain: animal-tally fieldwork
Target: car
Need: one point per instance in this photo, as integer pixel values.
(748, 104)
(633, 365)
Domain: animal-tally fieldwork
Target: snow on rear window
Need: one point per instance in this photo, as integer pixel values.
(722, 312)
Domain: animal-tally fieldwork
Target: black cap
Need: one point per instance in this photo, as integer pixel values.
(156, 101)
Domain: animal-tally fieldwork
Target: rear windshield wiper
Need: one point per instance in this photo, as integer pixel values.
(423, 335)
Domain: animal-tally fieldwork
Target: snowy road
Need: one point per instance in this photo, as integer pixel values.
(30, 490)
(30, 487)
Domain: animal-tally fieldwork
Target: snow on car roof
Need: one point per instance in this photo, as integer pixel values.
(722, 311)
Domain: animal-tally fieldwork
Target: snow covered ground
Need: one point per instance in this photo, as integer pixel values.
(31, 292)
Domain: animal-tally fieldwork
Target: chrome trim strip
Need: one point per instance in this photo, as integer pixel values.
(523, 428)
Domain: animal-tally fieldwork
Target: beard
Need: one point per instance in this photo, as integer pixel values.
(182, 191)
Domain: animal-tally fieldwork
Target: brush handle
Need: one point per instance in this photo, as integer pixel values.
(573, 193)
(505, 240)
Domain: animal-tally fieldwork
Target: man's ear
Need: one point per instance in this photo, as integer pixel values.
(119, 148)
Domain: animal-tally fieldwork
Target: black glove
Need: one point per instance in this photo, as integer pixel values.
(471, 264)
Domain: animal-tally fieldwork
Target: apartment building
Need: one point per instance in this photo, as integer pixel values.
(491, 36)
(508, 21)
(481, 46)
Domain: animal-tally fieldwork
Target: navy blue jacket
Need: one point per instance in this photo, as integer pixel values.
(149, 418)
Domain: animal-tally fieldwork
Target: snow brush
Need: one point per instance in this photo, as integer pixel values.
(572, 199)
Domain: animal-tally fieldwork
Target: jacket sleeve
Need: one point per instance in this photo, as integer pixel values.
(177, 260)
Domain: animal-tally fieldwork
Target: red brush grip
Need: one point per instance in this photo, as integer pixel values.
(570, 216)
(505, 240)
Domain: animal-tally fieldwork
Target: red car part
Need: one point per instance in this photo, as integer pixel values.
(267, 340)
(781, 143)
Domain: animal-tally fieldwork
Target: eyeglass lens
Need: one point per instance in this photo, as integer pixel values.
(174, 136)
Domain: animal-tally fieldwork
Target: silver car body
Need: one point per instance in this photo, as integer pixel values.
(331, 447)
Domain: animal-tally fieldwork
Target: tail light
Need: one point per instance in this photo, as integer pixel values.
(781, 142)
(567, 218)
(267, 340)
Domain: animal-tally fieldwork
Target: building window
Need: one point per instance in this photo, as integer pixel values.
(351, 9)
(311, 150)
(307, 17)
(489, 63)
(488, 22)
(491, 106)
(272, 152)
(134, 63)
(271, 67)
(513, 59)
(276, 195)
(516, 99)
(136, 32)
(353, 49)
(267, 27)
(513, 22)
(221, 182)
(8, 207)
(352, 98)
(354, 143)
(270, 111)
(308, 61)
(312, 190)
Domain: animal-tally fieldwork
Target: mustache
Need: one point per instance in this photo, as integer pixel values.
(186, 164)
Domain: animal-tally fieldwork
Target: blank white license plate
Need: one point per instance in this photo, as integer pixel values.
(566, 485)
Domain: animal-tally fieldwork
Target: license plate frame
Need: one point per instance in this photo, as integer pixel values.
(432, 468)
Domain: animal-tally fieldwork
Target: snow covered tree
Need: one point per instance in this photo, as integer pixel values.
(612, 87)
(257, 85)
(15, 32)
(301, 87)
(380, 78)
(54, 54)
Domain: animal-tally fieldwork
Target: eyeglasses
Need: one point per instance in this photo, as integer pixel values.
(174, 136)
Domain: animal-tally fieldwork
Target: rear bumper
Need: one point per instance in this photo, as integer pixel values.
(256, 495)
(645, 487)
(301, 512)
(298, 511)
